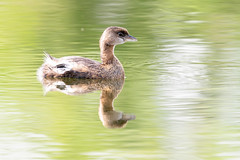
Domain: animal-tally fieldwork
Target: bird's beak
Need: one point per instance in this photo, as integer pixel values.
(130, 38)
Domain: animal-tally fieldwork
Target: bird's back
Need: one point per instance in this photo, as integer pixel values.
(70, 66)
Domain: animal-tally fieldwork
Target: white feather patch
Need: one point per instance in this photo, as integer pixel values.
(49, 59)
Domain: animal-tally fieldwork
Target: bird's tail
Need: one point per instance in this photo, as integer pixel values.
(52, 64)
(48, 56)
(49, 59)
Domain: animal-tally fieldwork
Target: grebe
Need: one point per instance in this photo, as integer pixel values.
(80, 67)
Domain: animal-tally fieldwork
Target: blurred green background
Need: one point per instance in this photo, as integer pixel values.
(182, 80)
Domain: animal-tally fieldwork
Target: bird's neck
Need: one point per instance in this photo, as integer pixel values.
(107, 53)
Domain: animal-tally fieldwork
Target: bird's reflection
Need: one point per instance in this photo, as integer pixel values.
(110, 90)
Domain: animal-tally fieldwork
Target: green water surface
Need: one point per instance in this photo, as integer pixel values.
(182, 80)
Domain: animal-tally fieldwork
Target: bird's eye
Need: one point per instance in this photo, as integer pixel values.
(120, 34)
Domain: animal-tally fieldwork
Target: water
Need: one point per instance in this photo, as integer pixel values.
(182, 85)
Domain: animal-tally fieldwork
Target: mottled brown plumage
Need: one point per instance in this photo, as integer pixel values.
(80, 67)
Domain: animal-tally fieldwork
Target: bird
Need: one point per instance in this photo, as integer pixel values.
(84, 68)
